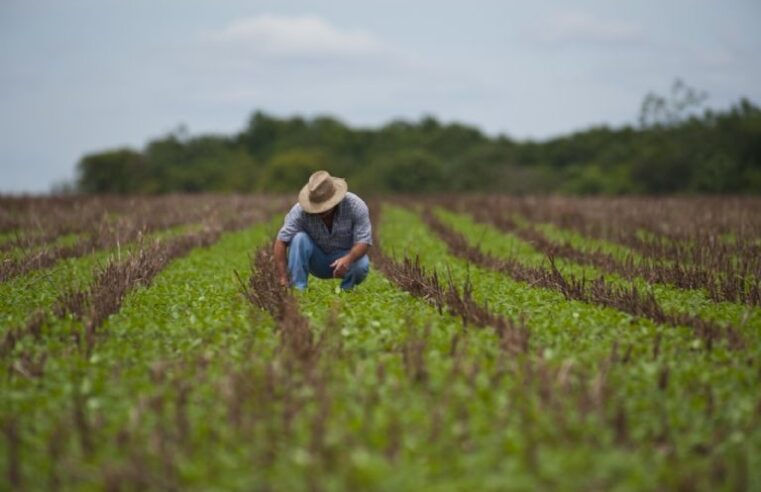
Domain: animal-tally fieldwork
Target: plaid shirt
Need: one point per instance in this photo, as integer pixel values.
(351, 225)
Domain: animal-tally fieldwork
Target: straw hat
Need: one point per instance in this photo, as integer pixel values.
(322, 192)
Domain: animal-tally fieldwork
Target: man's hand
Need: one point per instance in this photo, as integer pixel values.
(341, 266)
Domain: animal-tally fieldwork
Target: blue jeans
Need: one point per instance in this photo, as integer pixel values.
(305, 257)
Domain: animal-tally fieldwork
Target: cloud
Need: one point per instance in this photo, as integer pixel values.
(580, 27)
(296, 36)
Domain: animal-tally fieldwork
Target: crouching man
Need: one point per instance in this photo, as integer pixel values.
(327, 233)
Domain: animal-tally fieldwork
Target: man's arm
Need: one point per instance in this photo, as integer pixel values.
(342, 265)
(357, 251)
(363, 239)
(281, 262)
(291, 226)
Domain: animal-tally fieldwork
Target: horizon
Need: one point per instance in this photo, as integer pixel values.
(77, 79)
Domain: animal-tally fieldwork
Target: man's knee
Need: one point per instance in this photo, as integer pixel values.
(301, 242)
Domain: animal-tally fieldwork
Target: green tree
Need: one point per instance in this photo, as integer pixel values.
(674, 150)
(113, 171)
(289, 170)
(411, 171)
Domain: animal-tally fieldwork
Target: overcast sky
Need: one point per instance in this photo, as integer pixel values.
(83, 76)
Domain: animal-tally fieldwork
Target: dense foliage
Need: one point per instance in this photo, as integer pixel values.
(714, 152)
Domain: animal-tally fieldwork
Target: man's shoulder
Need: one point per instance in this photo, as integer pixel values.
(354, 201)
(295, 213)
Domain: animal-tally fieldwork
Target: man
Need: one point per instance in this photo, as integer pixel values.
(327, 233)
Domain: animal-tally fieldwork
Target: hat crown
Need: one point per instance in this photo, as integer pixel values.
(322, 192)
(320, 187)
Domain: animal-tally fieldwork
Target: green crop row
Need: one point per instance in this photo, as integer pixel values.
(579, 240)
(8, 236)
(17, 252)
(672, 299)
(589, 244)
(39, 289)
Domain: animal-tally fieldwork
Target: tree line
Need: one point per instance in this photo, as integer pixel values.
(673, 149)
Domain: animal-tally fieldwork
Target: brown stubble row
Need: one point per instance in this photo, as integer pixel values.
(38, 220)
(726, 272)
(410, 276)
(265, 292)
(598, 291)
(138, 216)
(104, 297)
(114, 281)
(299, 373)
(684, 229)
(41, 219)
(48, 217)
(720, 286)
(673, 219)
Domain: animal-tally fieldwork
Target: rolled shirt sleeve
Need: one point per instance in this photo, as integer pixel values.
(292, 224)
(363, 231)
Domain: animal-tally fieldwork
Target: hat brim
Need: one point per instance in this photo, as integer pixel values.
(317, 208)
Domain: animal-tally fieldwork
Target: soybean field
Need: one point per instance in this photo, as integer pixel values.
(499, 343)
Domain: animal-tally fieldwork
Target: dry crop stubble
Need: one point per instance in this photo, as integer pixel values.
(727, 272)
(597, 291)
(410, 276)
(379, 388)
(140, 217)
